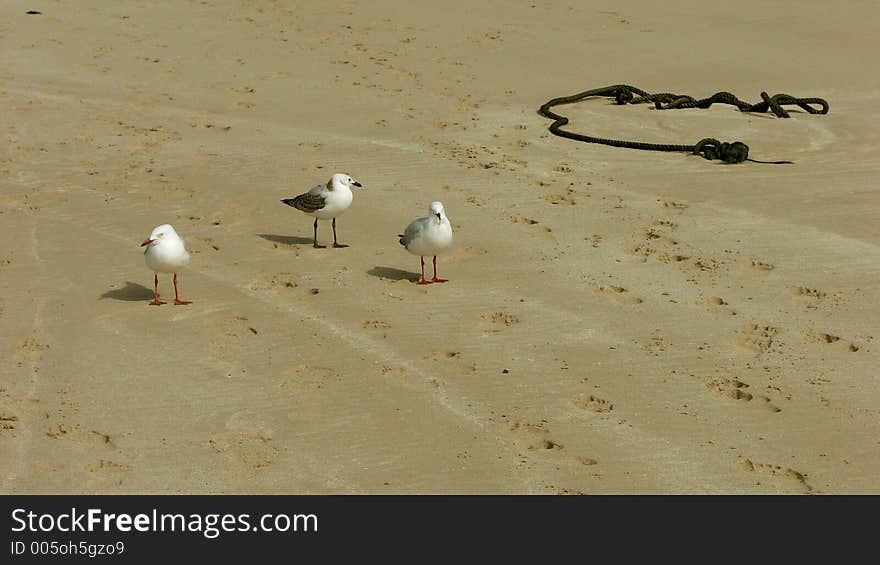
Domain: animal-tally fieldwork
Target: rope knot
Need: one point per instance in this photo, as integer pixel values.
(623, 95)
(731, 153)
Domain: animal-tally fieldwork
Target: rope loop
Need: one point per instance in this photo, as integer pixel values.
(709, 148)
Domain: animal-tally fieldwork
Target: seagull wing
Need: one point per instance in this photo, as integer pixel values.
(310, 201)
(413, 231)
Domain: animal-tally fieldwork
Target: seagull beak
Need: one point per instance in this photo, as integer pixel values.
(356, 183)
(149, 241)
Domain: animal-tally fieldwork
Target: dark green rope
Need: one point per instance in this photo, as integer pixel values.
(709, 148)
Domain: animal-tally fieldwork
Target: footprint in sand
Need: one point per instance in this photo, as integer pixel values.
(789, 479)
(672, 205)
(665, 224)
(238, 326)
(523, 220)
(716, 305)
(104, 474)
(533, 436)
(250, 451)
(756, 337)
(28, 351)
(79, 434)
(733, 389)
(7, 422)
(247, 440)
(556, 198)
(758, 266)
(618, 292)
(831, 340)
(442, 355)
(198, 244)
(806, 293)
(596, 404)
(498, 321)
(307, 376)
(274, 282)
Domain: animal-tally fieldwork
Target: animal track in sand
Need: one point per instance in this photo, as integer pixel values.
(673, 205)
(546, 444)
(804, 292)
(756, 337)
(252, 451)
(665, 224)
(308, 375)
(376, 324)
(716, 304)
(759, 266)
(618, 292)
(829, 339)
(499, 320)
(79, 434)
(594, 403)
(523, 220)
(274, 281)
(105, 474)
(442, 355)
(809, 297)
(237, 326)
(733, 389)
(105, 466)
(707, 265)
(202, 244)
(654, 233)
(7, 422)
(561, 198)
(28, 351)
(539, 430)
(794, 479)
(656, 243)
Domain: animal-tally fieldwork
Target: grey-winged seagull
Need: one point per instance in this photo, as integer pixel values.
(326, 201)
(430, 235)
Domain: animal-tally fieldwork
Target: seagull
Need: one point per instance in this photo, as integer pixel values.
(326, 201)
(428, 236)
(165, 253)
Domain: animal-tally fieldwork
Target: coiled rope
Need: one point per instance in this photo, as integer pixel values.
(709, 148)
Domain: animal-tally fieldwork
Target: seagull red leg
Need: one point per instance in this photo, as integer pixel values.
(337, 245)
(156, 301)
(316, 236)
(423, 280)
(177, 299)
(435, 279)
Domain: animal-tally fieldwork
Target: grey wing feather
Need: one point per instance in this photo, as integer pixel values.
(310, 201)
(412, 232)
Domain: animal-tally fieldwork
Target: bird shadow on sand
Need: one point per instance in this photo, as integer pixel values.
(392, 274)
(286, 239)
(131, 292)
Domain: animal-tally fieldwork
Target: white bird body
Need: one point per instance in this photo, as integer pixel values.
(165, 253)
(326, 201)
(431, 235)
(336, 201)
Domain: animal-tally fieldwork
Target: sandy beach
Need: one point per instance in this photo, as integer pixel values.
(616, 321)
